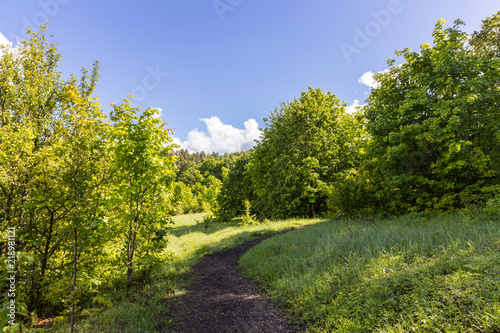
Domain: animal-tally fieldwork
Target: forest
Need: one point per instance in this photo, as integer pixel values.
(87, 198)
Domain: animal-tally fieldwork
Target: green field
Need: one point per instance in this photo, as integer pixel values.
(407, 274)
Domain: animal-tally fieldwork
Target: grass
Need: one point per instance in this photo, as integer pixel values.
(407, 274)
(188, 242)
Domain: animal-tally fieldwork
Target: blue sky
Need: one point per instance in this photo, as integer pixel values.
(216, 68)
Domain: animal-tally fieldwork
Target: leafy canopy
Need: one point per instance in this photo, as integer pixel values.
(306, 145)
(434, 126)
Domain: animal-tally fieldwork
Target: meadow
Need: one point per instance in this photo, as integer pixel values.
(404, 274)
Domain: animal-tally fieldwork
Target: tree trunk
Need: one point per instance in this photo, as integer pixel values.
(75, 253)
(132, 233)
(130, 251)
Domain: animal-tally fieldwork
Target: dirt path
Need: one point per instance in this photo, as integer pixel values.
(219, 300)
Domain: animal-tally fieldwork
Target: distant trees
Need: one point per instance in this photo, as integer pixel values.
(199, 179)
(236, 188)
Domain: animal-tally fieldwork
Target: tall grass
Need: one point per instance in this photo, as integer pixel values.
(189, 240)
(405, 274)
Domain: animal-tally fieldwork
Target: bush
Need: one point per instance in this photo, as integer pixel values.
(351, 197)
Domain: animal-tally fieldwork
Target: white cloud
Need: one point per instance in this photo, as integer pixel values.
(221, 137)
(368, 80)
(159, 114)
(352, 108)
(4, 41)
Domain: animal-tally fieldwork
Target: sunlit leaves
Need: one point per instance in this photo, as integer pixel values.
(307, 143)
(67, 177)
(143, 165)
(433, 127)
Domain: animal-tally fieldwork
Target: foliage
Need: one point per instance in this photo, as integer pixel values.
(83, 156)
(306, 145)
(434, 127)
(351, 196)
(407, 274)
(427, 140)
(199, 179)
(185, 201)
(143, 173)
(71, 183)
(236, 188)
(50, 169)
(248, 217)
(486, 41)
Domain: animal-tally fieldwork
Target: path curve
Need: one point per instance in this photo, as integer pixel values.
(220, 300)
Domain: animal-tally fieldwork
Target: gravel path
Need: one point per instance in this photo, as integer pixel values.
(219, 300)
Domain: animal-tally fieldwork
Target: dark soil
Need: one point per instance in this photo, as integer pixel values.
(219, 300)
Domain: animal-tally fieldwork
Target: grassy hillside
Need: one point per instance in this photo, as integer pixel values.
(400, 275)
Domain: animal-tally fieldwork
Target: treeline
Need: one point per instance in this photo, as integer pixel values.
(198, 180)
(426, 141)
(88, 198)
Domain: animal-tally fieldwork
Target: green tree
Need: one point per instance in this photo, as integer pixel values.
(434, 126)
(236, 188)
(487, 40)
(144, 171)
(306, 145)
(52, 166)
(83, 166)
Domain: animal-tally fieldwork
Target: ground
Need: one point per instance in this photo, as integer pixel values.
(220, 300)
